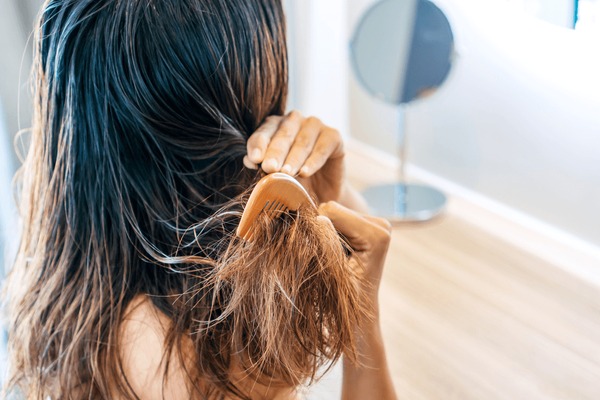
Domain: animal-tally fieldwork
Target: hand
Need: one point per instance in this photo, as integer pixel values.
(302, 147)
(369, 237)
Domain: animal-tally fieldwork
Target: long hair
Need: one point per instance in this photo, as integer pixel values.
(134, 184)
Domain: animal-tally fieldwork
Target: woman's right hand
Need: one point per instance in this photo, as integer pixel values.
(369, 237)
(369, 377)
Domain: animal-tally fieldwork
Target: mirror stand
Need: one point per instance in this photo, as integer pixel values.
(402, 201)
(402, 50)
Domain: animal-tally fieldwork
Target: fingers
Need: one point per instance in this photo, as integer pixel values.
(293, 145)
(329, 145)
(259, 141)
(303, 145)
(363, 232)
(281, 142)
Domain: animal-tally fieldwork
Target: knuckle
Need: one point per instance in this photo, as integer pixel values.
(333, 134)
(302, 142)
(275, 151)
(320, 152)
(380, 242)
(261, 132)
(284, 133)
(383, 236)
(379, 230)
(263, 141)
(313, 121)
(380, 225)
(254, 140)
(327, 207)
(385, 224)
(295, 114)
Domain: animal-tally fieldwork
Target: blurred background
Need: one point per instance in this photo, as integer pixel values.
(16, 26)
(517, 121)
(16, 23)
(515, 129)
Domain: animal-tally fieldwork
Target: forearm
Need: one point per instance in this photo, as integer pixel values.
(370, 377)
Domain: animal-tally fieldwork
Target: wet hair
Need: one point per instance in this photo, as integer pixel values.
(134, 184)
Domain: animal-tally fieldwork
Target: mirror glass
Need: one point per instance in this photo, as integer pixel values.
(402, 50)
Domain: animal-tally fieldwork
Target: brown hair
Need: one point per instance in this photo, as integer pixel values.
(134, 184)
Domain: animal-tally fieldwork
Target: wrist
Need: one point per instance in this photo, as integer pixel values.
(370, 349)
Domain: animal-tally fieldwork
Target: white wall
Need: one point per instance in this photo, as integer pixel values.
(15, 64)
(518, 120)
(15, 112)
(9, 222)
(318, 44)
(558, 12)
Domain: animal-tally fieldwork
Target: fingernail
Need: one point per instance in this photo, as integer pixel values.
(249, 164)
(256, 155)
(287, 169)
(304, 170)
(270, 164)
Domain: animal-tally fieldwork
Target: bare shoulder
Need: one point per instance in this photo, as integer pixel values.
(141, 346)
(142, 336)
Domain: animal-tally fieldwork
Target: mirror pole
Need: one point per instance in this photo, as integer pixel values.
(402, 146)
(402, 201)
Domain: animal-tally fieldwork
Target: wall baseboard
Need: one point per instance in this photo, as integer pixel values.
(556, 246)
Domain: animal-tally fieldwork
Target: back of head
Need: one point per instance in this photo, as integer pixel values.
(168, 87)
(134, 184)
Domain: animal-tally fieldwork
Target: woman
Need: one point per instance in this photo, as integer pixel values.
(152, 120)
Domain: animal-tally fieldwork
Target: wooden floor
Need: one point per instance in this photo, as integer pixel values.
(467, 314)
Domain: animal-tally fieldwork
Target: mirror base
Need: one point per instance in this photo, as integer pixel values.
(405, 202)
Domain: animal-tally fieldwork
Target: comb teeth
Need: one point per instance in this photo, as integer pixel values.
(274, 209)
(273, 195)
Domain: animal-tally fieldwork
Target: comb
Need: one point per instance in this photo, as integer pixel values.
(273, 195)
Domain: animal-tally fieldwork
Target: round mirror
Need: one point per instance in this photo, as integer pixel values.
(402, 50)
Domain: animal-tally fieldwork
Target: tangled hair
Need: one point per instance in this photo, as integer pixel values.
(134, 185)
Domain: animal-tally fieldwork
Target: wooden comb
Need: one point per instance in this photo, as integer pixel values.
(274, 194)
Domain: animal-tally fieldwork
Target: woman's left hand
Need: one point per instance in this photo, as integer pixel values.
(301, 147)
